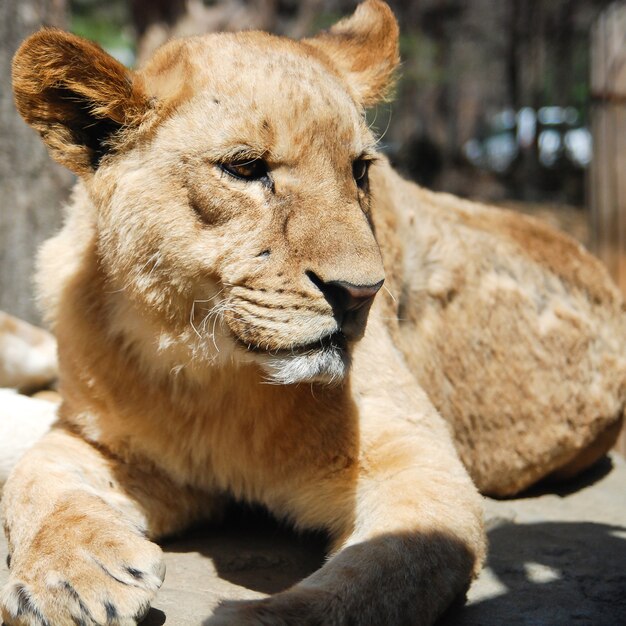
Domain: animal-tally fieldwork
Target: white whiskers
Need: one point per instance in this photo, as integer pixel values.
(212, 314)
(390, 294)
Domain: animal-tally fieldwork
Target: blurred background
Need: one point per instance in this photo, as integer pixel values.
(520, 103)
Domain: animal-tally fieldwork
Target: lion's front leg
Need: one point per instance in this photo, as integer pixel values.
(76, 523)
(411, 546)
(416, 542)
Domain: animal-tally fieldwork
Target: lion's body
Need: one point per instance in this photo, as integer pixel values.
(513, 329)
(212, 339)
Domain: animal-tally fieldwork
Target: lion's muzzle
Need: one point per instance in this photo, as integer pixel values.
(350, 303)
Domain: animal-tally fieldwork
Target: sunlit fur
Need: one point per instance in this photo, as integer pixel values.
(200, 362)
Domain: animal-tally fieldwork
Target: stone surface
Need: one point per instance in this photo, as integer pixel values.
(556, 558)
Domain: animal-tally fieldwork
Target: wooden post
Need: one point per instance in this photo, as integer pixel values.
(607, 186)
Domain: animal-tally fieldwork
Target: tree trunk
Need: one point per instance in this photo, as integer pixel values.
(32, 186)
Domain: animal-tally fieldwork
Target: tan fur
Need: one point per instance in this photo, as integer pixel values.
(514, 330)
(178, 292)
(65, 86)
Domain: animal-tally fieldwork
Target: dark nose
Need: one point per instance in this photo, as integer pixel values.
(345, 297)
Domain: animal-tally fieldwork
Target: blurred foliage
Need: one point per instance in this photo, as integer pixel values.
(420, 54)
(108, 23)
(325, 19)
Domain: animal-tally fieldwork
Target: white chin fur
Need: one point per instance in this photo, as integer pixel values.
(329, 366)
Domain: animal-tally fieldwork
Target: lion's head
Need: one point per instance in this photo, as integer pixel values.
(227, 184)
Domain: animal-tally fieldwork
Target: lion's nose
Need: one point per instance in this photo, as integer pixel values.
(351, 297)
(345, 297)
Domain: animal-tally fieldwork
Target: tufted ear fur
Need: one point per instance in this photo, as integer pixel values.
(76, 95)
(364, 48)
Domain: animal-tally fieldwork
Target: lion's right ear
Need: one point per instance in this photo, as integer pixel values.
(76, 95)
(364, 48)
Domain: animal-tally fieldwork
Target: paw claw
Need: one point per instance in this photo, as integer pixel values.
(111, 612)
(114, 587)
(19, 606)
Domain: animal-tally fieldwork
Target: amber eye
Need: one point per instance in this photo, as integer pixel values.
(359, 171)
(250, 169)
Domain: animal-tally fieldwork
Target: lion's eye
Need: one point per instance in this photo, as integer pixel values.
(359, 171)
(251, 169)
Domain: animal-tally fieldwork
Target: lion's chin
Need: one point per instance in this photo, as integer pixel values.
(326, 361)
(327, 365)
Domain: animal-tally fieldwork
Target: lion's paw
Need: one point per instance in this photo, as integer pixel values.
(109, 581)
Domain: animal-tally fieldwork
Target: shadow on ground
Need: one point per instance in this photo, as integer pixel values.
(557, 557)
(552, 573)
(251, 549)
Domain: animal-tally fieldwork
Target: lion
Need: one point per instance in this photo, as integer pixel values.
(251, 305)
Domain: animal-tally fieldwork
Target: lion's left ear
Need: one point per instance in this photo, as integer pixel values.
(364, 48)
(76, 96)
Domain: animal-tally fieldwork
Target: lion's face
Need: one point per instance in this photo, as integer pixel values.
(237, 224)
(246, 215)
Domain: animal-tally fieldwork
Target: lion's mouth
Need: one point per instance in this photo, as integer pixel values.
(325, 360)
(333, 341)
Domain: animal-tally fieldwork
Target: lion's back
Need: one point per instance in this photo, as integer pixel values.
(515, 331)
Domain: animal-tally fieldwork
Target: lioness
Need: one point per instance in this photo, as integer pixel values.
(210, 291)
